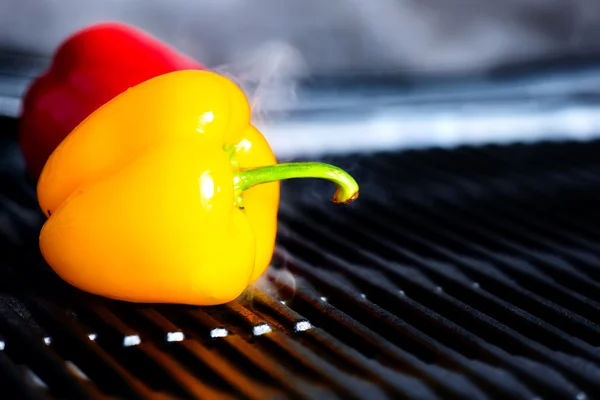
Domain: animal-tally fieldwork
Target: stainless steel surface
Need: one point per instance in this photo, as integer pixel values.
(334, 115)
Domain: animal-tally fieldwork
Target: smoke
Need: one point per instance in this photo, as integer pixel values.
(276, 277)
(268, 76)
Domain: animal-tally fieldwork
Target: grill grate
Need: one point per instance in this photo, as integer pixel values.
(471, 273)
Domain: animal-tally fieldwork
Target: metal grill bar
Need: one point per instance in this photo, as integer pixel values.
(449, 384)
(14, 381)
(101, 367)
(580, 325)
(452, 333)
(417, 287)
(465, 274)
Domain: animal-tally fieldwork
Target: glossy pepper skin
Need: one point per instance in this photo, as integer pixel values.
(168, 194)
(88, 69)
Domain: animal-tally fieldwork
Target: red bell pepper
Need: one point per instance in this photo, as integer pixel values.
(90, 68)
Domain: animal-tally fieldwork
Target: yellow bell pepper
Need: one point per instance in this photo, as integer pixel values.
(168, 194)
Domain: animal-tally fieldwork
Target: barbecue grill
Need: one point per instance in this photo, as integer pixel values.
(463, 273)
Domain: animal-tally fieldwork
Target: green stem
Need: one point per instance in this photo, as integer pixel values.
(346, 192)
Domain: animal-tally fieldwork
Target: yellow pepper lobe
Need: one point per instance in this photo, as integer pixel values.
(161, 229)
(140, 196)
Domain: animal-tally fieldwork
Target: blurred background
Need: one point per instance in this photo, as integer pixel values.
(428, 36)
(434, 72)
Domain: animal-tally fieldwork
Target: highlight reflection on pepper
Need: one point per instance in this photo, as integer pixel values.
(129, 178)
(207, 189)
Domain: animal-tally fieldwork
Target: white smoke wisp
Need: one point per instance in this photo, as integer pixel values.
(273, 280)
(268, 76)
